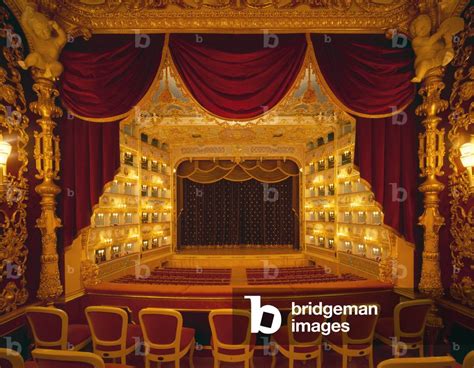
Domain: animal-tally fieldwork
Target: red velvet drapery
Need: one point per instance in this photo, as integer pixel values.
(104, 78)
(238, 76)
(370, 78)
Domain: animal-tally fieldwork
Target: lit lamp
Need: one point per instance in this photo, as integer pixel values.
(467, 159)
(5, 150)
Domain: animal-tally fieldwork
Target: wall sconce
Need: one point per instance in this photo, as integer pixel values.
(467, 159)
(5, 150)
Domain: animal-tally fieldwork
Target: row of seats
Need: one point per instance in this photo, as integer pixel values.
(163, 338)
(181, 276)
(296, 275)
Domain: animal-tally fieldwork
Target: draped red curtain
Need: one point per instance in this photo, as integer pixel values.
(238, 76)
(369, 77)
(103, 79)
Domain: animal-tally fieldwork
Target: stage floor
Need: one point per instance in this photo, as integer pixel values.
(267, 251)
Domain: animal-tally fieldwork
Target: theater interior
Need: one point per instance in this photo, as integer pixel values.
(181, 179)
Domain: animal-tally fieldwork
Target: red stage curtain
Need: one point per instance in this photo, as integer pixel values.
(370, 78)
(103, 79)
(237, 213)
(238, 76)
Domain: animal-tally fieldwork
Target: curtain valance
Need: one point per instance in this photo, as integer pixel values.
(103, 80)
(238, 76)
(268, 171)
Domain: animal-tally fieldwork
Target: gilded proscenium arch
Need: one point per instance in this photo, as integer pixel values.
(242, 16)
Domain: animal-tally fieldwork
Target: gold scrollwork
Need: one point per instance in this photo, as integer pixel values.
(461, 119)
(13, 124)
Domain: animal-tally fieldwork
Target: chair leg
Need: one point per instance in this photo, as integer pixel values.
(147, 363)
(319, 360)
(251, 363)
(176, 363)
(274, 361)
(191, 354)
(344, 361)
(247, 364)
(422, 350)
(216, 363)
(371, 358)
(291, 363)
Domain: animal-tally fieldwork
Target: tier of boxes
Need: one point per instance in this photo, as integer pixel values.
(134, 213)
(341, 214)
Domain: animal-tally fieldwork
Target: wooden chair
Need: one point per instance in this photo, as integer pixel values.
(301, 346)
(51, 329)
(112, 336)
(468, 361)
(46, 358)
(11, 359)
(358, 342)
(406, 328)
(232, 340)
(430, 362)
(166, 340)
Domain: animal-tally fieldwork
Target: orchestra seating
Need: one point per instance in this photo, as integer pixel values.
(295, 275)
(181, 276)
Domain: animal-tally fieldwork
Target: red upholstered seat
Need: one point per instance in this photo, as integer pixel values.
(78, 333)
(27, 365)
(336, 339)
(386, 328)
(187, 335)
(237, 351)
(282, 338)
(134, 334)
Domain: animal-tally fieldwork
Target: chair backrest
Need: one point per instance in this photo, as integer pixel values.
(230, 329)
(304, 337)
(49, 326)
(108, 326)
(468, 361)
(428, 362)
(10, 359)
(47, 358)
(161, 328)
(362, 327)
(410, 318)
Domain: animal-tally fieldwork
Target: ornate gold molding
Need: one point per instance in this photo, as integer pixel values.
(46, 153)
(246, 16)
(13, 123)
(461, 120)
(431, 154)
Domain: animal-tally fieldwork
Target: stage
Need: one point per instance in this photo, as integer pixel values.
(210, 257)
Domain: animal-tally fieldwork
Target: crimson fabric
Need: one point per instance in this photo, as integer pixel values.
(238, 76)
(365, 72)
(370, 76)
(103, 77)
(46, 325)
(385, 152)
(107, 75)
(235, 213)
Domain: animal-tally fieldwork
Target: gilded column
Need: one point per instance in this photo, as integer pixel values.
(46, 153)
(431, 155)
(46, 39)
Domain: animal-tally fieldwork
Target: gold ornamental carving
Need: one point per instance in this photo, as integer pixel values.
(431, 154)
(461, 119)
(46, 154)
(15, 190)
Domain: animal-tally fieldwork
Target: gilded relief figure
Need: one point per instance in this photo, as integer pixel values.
(435, 50)
(47, 39)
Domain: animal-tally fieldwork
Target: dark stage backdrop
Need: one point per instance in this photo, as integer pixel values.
(238, 213)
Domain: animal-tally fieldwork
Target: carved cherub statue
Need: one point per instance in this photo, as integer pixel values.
(47, 39)
(435, 50)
